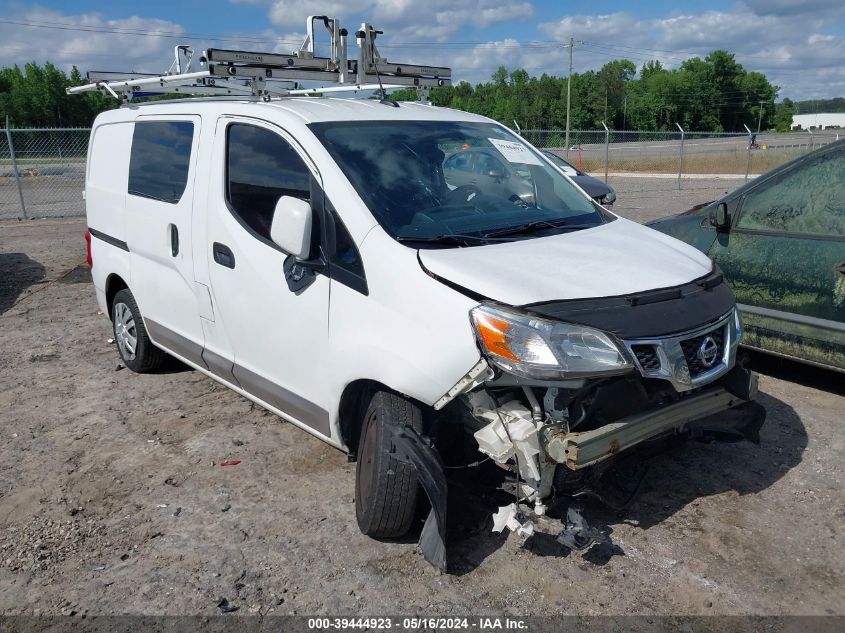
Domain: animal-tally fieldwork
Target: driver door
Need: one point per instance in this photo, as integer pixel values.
(274, 340)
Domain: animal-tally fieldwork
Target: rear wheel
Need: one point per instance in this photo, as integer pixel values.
(385, 488)
(136, 350)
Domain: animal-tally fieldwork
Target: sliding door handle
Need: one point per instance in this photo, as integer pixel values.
(174, 240)
(223, 255)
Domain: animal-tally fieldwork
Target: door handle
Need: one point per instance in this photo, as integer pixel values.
(223, 255)
(840, 268)
(174, 240)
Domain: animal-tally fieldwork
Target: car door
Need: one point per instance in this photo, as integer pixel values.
(785, 259)
(159, 206)
(275, 339)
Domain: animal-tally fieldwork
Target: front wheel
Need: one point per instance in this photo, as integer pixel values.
(385, 488)
(136, 350)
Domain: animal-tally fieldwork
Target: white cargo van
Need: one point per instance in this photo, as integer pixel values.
(310, 254)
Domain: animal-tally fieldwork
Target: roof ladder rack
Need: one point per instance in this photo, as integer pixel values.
(265, 75)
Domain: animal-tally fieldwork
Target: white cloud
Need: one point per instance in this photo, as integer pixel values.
(89, 50)
(804, 62)
(429, 20)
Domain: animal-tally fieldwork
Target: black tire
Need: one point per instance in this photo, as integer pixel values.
(147, 357)
(385, 488)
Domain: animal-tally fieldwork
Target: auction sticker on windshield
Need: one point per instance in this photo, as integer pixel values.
(515, 152)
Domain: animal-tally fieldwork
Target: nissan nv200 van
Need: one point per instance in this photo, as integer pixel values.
(313, 255)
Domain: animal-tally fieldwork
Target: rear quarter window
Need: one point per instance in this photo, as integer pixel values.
(108, 162)
(160, 159)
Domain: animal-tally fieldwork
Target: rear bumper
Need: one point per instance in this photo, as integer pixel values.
(579, 450)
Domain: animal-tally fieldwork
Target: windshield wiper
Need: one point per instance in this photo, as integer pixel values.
(447, 238)
(539, 225)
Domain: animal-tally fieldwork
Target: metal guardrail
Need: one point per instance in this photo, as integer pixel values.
(42, 170)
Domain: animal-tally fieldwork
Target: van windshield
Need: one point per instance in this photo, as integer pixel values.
(455, 183)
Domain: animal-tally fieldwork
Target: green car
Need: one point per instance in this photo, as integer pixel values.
(780, 241)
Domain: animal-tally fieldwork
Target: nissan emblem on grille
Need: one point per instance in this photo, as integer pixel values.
(708, 351)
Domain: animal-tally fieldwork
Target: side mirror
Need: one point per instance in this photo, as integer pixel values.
(291, 227)
(720, 218)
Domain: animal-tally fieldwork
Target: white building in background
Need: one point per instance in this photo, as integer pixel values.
(818, 121)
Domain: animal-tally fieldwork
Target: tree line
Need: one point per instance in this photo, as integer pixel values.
(814, 106)
(34, 96)
(714, 94)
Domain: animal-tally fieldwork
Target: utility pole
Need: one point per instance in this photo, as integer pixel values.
(624, 112)
(569, 91)
(605, 103)
(760, 117)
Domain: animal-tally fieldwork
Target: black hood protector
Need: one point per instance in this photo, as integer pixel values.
(649, 314)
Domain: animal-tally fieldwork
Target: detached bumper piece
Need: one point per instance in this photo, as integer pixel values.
(579, 450)
(418, 452)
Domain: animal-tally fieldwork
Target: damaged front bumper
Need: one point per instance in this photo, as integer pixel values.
(537, 440)
(578, 450)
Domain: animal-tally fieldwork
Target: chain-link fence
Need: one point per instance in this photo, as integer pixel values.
(682, 155)
(42, 172)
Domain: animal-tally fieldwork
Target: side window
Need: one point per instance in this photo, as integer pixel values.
(344, 258)
(160, 158)
(459, 162)
(261, 167)
(809, 200)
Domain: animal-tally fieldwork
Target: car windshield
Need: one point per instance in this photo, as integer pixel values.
(455, 183)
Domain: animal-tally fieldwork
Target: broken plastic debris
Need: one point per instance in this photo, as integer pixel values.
(230, 462)
(511, 431)
(510, 517)
(110, 341)
(577, 534)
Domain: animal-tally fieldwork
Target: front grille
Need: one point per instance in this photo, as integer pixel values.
(647, 357)
(692, 346)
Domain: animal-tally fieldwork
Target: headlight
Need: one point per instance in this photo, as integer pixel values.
(738, 319)
(529, 346)
(610, 198)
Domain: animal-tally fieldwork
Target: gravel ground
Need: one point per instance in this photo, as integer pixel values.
(113, 499)
(646, 199)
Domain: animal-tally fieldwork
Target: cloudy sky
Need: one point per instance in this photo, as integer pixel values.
(798, 44)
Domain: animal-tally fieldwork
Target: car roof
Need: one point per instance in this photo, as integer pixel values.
(312, 109)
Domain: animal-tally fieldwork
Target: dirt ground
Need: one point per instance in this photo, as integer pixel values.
(113, 499)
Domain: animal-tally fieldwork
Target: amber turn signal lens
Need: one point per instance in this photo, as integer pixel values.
(493, 335)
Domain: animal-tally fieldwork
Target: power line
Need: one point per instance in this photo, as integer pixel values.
(143, 32)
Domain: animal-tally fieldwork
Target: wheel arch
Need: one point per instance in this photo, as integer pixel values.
(114, 284)
(353, 405)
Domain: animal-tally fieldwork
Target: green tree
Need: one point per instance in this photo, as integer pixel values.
(783, 115)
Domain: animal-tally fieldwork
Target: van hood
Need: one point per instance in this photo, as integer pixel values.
(617, 258)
